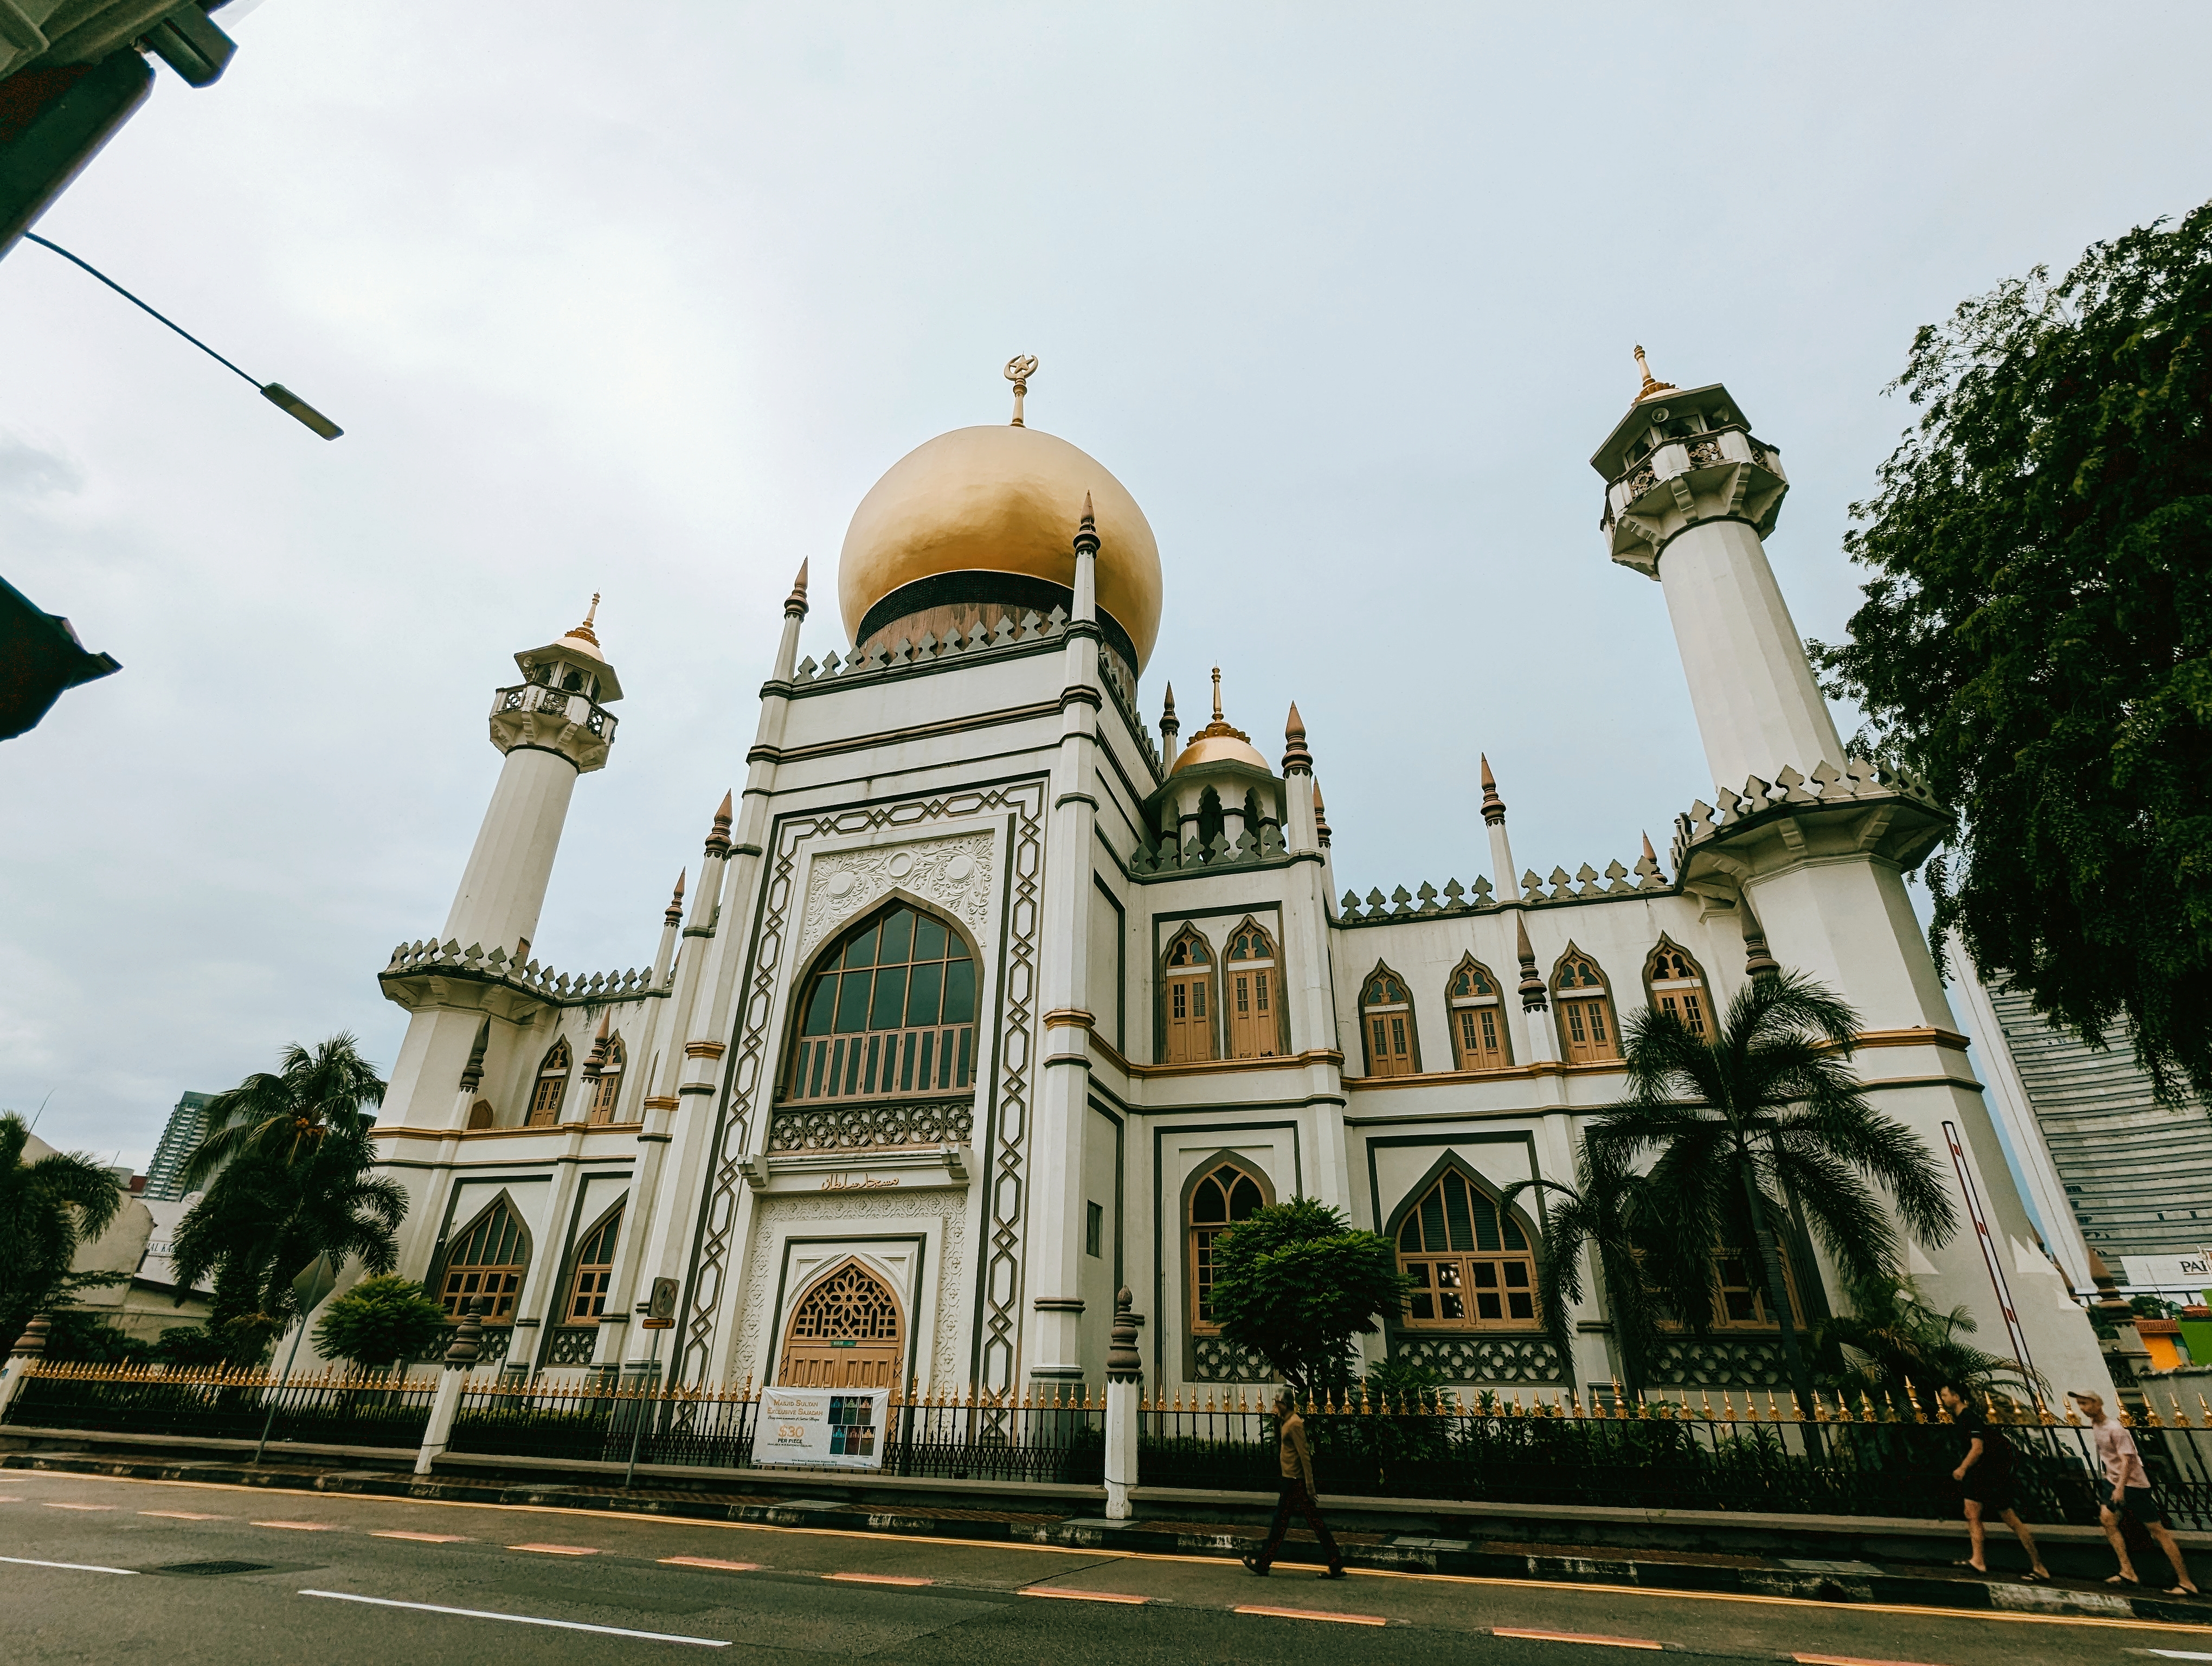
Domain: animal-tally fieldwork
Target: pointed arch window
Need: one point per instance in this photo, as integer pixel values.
(1251, 993)
(889, 1009)
(595, 1271)
(1386, 1018)
(488, 1263)
(1587, 1029)
(1224, 1196)
(1189, 988)
(552, 1085)
(606, 1091)
(1468, 1261)
(1679, 987)
(1479, 1039)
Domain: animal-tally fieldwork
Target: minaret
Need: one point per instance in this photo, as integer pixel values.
(553, 727)
(1501, 848)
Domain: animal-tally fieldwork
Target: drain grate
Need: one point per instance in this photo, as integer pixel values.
(209, 1570)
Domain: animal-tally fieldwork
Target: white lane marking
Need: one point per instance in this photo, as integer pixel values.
(709, 1562)
(74, 1567)
(2171, 1654)
(80, 1506)
(422, 1538)
(1613, 1642)
(515, 1619)
(182, 1515)
(558, 1550)
(301, 1526)
(1074, 1595)
(880, 1578)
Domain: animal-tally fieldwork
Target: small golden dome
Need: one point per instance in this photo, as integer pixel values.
(996, 500)
(1218, 743)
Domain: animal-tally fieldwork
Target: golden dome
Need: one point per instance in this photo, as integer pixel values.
(1218, 743)
(981, 501)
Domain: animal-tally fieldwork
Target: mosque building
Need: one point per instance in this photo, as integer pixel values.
(988, 997)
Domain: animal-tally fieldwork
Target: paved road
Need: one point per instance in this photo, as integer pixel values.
(95, 1569)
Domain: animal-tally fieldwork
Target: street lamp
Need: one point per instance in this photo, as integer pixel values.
(275, 393)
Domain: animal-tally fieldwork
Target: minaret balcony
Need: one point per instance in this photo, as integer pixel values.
(553, 720)
(1714, 474)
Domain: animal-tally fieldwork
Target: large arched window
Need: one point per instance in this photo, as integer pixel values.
(552, 1084)
(1386, 1018)
(1225, 1194)
(606, 1091)
(1187, 993)
(1679, 987)
(487, 1262)
(1468, 1261)
(1251, 993)
(595, 1270)
(1585, 1009)
(1479, 1039)
(891, 1008)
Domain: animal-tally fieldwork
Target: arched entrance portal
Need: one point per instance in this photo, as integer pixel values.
(846, 1333)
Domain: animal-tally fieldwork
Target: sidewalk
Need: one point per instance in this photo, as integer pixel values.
(1487, 1545)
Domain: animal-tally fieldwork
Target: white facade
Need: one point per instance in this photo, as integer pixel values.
(984, 768)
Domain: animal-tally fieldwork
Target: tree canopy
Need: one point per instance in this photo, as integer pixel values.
(379, 1322)
(2037, 637)
(47, 1208)
(1296, 1282)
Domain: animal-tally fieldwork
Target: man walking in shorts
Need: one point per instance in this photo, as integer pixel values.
(2130, 1495)
(1297, 1493)
(1985, 1476)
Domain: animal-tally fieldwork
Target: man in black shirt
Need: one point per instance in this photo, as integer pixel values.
(1985, 1476)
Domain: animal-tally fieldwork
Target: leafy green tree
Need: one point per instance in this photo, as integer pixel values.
(1761, 1115)
(2037, 638)
(379, 1322)
(190, 1347)
(291, 1159)
(1297, 1282)
(77, 1336)
(47, 1208)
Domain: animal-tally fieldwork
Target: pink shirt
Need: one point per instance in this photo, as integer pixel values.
(2117, 1447)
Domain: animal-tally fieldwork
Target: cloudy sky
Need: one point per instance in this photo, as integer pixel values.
(642, 300)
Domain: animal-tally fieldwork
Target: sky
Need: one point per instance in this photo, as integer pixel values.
(641, 301)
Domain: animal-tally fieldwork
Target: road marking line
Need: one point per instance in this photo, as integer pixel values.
(2171, 1654)
(422, 1538)
(1745, 1599)
(1083, 1595)
(1587, 1637)
(10, 1497)
(301, 1526)
(880, 1578)
(1311, 1614)
(74, 1567)
(182, 1515)
(1848, 1660)
(708, 1561)
(558, 1550)
(521, 1618)
(80, 1506)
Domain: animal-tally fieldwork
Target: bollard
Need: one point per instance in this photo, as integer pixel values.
(460, 1354)
(1125, 1386)
(30, 1348)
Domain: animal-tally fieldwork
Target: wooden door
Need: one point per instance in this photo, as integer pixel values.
(846, 1333)
(1190, 1026)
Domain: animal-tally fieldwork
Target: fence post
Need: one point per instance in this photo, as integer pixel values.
(460, 1354)
(1125, 1384)
(30, 1348)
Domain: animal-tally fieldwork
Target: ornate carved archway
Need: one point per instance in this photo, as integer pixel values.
(847, 1332)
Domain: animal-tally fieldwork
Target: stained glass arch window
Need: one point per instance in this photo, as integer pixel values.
(889, 1008)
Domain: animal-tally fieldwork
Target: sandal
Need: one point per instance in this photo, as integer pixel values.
(2185, 1590)
(2121, 1579)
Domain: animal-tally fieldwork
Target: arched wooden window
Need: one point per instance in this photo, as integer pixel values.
(1468, 1261)
(552, 1084)
(1479, 1039)
(846, 1333)
(1386, 1017)
(1251, 993)
(889, 1008)
(1679, 987)
(607, 1089)
(595, 1269)
(1224, 1194)
(1586, 1021)
(1189, 986)
(1740, 1302)
(488, 1261)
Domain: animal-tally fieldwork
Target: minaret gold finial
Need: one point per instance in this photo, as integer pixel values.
(1217, 694)
(1652, 385)
(584, 630)
(1019, 369)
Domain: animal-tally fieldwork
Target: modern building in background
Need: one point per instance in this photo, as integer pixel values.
(187, 1122)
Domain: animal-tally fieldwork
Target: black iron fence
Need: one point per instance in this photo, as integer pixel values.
(323, 1406)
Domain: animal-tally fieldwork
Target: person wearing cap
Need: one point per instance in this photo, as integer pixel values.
(2131, 1495)
(1297, 1493)
(1984, 1476)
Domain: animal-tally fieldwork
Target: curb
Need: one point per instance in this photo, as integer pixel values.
(1840, 1581)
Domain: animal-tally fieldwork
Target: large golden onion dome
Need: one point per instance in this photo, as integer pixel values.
(980, 521)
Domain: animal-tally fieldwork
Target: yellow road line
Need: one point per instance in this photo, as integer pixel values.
(1311, 1614)
(1074, 1595)
(881, 1579)
(1579, 1637)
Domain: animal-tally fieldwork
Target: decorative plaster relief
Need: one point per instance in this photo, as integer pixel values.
(953, 874)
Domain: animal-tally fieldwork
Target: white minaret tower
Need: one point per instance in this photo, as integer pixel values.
(1812, 846)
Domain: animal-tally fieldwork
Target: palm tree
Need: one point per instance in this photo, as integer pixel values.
(291, 1157)
(47, 1208)
(1613, 1209)
(1893, 1347)
(1741, 1128)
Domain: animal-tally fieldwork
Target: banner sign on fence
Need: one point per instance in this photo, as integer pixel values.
(840, 1428)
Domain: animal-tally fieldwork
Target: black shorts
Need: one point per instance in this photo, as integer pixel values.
(2141, 1503)
(1992, 1490)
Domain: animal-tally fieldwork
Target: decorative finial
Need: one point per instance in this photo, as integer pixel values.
(1087, 531)
(718, 841)
(473, 1073)
(675, 915)
(1652, 385)
(595, 1062)
(796, 601)
(1170, 724)
(585, 629)
(1217, 694)
(1493, 807)
(1649, 854)
(1532, 986)
(1297, 760)
(1321, 818)
(1019, 369)
(1758, 963)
